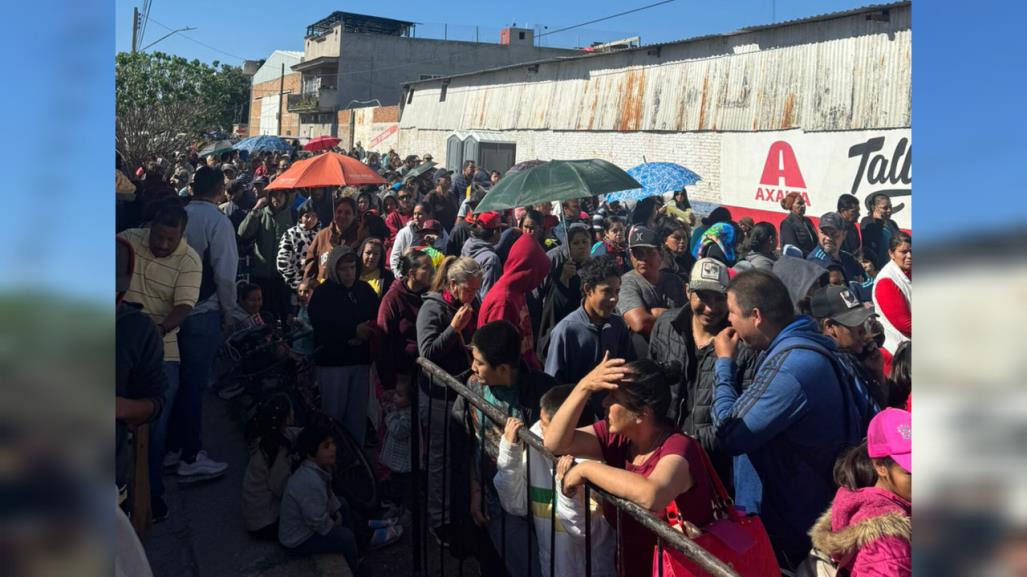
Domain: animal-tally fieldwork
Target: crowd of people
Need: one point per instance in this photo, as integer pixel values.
(630, 339)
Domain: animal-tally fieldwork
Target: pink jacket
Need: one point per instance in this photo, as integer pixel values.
(867, 532)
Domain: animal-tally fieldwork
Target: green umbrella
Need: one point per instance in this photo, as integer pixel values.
(419, 170)
(217, 147)
(556, 180)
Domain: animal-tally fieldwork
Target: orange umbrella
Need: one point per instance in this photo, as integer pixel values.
(328, 169)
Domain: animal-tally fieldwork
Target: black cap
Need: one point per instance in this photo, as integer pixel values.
(640, 236)
(838, 304)
(832, 220)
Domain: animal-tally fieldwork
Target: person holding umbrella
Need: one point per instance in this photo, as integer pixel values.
(648, 290)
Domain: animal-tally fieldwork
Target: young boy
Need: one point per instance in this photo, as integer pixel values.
(304, 345)
(251, 300)
(570, 511)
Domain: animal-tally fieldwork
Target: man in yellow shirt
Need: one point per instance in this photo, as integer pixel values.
(166, 283)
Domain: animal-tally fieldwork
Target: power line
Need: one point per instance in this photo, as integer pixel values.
(605, 18)
(186, 36)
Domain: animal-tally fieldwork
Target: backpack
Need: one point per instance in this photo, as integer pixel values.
(856, 393)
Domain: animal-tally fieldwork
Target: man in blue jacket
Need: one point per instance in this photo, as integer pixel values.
(794, 419)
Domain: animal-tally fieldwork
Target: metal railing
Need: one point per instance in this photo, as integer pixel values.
(664, 533)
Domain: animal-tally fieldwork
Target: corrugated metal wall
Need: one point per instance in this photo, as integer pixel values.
(839, 74)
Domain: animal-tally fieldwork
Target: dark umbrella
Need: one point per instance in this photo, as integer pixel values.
(523, 166)
(216, 147)
(419, 170)
(556, 180)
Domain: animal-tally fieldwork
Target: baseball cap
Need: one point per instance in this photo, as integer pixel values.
(489, 220)
(640, 236)
(431, 225)
(439, 173)
(832, 220)
(890, 434)
(838, 304)
(709, 274)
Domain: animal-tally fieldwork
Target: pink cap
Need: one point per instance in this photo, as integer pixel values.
(890, 434)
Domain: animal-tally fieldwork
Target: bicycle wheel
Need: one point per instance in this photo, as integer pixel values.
(354, 477)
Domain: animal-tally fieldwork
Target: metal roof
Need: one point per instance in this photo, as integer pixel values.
(747, 30)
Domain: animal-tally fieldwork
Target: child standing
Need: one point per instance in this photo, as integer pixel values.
(867, 530)
(570, 511)
(304, 345)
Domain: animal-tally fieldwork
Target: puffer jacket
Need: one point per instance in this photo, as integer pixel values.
(867, 532)
(525, 269)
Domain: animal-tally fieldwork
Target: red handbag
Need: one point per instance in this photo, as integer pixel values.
(737, 539)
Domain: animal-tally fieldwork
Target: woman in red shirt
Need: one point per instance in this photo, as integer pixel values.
(644, 459)
(893, 292)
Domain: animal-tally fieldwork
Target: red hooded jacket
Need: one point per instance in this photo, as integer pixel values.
(524, 270)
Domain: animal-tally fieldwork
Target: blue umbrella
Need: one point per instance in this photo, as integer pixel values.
(263, 143)
(656, 179)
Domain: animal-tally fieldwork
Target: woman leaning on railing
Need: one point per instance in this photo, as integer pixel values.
(644, 460)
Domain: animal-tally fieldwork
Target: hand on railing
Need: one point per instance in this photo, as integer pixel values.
(513, 424)
(564, 465)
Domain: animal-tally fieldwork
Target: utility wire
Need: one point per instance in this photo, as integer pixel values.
(605, 18)
(204, 44)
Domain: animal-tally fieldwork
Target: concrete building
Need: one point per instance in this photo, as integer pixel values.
(821, 106)
(270, 87)
(353, 60)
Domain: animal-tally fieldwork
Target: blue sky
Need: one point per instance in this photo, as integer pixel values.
(967, 74)
(251, 30)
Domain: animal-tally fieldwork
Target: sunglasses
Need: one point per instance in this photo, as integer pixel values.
(404, 197)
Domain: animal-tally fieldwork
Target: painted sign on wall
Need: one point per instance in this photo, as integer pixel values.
(383, 135)
(757, 170)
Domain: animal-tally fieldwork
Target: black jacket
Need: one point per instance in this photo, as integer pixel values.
(335, 311)
(799, 231)
(692, 397)
(876, 235)
(438, 342)
(139, 371)
(556, 300)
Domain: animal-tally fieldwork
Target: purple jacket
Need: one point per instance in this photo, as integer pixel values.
(867, 532)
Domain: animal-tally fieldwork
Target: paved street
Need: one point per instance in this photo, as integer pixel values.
(204, 537)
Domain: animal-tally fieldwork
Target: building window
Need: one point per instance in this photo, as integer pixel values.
(520, 35)
(410, 96)
(442, 94)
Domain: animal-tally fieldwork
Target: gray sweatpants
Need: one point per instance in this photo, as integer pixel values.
(344, 395)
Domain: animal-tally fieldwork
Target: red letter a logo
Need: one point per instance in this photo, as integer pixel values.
(780, 164)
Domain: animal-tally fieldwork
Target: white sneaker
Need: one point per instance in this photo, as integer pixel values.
(171, 460)
(203, 465)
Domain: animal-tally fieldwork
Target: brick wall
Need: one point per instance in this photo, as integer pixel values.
(386, 114)
(290, 121)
